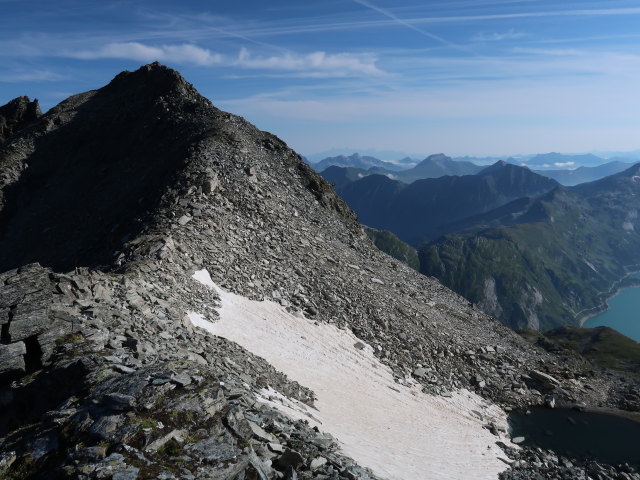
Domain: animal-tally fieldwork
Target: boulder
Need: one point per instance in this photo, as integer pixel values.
(12, 359)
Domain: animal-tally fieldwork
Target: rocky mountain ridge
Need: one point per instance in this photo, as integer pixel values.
(427, 209)
(159, 184)
(356, 160)
(16, 115)
(580, 175)
(434, 166)
(548, 261)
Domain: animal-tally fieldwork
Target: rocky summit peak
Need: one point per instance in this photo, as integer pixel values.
(118, 154)
(505, 167)
(17, 114)
(153, 79)
(114, 152)
(436, 157)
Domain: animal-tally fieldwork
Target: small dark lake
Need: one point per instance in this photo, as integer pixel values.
(603, 437)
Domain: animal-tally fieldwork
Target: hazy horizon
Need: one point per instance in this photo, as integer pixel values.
(391, 155)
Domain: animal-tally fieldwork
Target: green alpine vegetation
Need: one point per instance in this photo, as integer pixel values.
(392, 245)
(604, 346)
(549, 261)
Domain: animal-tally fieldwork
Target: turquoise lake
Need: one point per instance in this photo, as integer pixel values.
(623, 314)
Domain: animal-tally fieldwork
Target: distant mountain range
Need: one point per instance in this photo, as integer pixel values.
(358, 161)
(386, 155)
(560, 160)
(526, 249)
(427, 208)
(585, 174)
(341, 176)
(433, 166)
(548, 261)
(568, 170)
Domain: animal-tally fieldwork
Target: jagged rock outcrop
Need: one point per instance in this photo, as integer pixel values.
(17, 114)
(120, 195)
(29, 327)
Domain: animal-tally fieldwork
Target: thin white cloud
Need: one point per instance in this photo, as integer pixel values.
(548, 65)
(532, 14)
(297, 27)
(564, 164)
(497, 36)
(316, 64)
(32, 76)
(181, 54)
(313, 63)
(552, 52)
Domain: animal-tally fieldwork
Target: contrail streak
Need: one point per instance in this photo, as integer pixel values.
(424, 33)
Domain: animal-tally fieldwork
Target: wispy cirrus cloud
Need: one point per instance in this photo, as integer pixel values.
(602, 12)
(497, 36)
(414, 22)
(31, 76)
(181, 53)
(319, 63)
(552, 52)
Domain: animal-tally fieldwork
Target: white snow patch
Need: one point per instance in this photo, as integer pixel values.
(290, 406)
(204, 278)
(397, 431)
(198, 320)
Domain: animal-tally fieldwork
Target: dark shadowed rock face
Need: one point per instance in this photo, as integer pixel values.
(16, 114)
(100, 164)
(105, 161)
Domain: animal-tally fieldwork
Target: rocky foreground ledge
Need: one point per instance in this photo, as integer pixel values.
(109, 204)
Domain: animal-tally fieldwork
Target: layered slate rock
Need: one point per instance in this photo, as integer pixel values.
(29, 326)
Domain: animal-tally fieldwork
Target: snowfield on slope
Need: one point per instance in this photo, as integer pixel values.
(396, 430)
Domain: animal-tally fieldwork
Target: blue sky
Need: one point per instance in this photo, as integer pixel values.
(473, 77)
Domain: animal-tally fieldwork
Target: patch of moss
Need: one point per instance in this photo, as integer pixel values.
(193, 438)
(603, 345)
(171, 449)
(392, 245)
(146, 423)
(69, 338)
